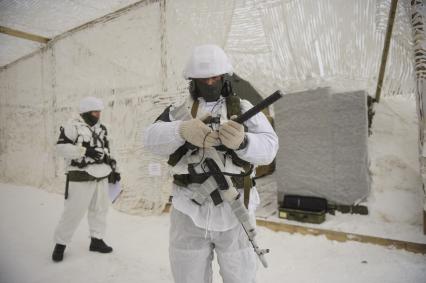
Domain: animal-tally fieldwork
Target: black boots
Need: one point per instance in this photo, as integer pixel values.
(58, 252)
(98, 245)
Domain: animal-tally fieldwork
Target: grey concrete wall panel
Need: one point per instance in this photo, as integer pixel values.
(323, 145)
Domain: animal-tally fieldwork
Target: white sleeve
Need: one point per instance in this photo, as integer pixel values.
(262, 144)
(65, 146)
(163, 138)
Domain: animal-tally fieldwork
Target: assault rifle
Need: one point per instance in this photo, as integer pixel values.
(217, 180)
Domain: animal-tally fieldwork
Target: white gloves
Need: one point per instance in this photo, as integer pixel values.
(199, 134)
(231, 134)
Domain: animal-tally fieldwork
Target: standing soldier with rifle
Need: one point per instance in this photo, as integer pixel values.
(212, 154)
(84, 144)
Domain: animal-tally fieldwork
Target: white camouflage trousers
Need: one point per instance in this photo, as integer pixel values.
(91, 197)
(191, 252)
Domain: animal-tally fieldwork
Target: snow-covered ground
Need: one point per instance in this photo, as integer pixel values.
(29, 215)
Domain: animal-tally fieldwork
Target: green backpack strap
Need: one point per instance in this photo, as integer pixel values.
(233, 106)
(194, 108)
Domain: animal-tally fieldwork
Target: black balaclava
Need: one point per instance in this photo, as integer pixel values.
(89, 118)
(210, 93)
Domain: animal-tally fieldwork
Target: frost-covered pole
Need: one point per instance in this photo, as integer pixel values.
(392, 12)
(418, 16)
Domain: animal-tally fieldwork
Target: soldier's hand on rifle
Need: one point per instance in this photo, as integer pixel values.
(199, 134)
(95, 153)
(232, 134)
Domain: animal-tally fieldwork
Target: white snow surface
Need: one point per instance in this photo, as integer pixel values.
(28, 218)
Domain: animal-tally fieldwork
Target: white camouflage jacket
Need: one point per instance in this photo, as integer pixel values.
(70, 146)
(163, 138)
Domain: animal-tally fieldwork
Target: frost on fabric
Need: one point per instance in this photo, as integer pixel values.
(134, 63)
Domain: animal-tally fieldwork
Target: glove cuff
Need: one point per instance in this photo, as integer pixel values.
(244, 143)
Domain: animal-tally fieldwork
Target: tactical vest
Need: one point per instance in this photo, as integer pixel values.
(240, 181)
(100, 140)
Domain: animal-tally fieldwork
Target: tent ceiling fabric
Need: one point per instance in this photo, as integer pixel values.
(47, 18)
(12, 48)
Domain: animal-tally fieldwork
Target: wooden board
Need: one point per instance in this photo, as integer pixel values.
(342, 236)
(23, 35)
(335, 235)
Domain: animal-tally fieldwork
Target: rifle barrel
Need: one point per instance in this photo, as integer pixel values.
(259, 107)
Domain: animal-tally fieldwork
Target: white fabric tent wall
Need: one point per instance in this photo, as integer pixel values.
(419, 34)
(134, 63)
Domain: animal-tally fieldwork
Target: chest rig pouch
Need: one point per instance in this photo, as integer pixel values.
(189, 154)
(87, 137)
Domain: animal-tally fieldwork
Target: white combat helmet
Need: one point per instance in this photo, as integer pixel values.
(90, 103)
(207, 61)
